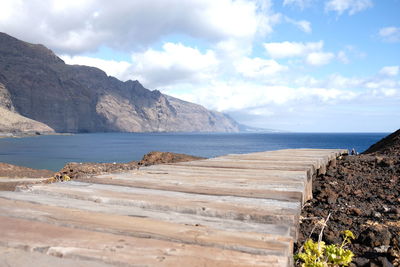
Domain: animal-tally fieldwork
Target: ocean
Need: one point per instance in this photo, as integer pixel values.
(54, 151)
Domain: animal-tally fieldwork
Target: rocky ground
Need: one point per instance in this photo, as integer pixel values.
(362, 194)
(12, 176)
(79, 170)
(13, 171)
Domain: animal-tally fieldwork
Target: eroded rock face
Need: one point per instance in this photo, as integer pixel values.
(5, 98)
(12, 122)
(84, 99)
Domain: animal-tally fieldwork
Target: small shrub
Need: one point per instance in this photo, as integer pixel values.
(318, 254)
(66, 178)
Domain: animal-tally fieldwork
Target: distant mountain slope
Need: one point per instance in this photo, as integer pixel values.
(75, 98)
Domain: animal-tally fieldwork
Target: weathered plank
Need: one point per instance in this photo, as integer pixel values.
(249, 188)
(234, 210)
(226, 207)
(142, 212)
(248, 242)
(117, 249)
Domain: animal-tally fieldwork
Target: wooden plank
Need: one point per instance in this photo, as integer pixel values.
(96, 205)
(226, 207)
(207, 189)
(247, 164)
(249, 242)
(272, 158)
(190, 176)
(330, 153)
(275, 161)
(118, 249)
(231, 210)
(220, 172)
(28, 257)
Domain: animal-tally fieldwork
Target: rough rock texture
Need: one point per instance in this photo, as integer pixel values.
(156, 157)
(12, 122)
(84, 99)
(362, 193)
(5, 99)
(75, 170)
(80, 170)
(14, 171)
(390, 145)
(12, 176)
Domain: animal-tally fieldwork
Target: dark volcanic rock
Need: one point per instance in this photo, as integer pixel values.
(84, 99)
(390, 145)
(362, 193)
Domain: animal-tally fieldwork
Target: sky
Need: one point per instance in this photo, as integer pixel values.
(291, 65)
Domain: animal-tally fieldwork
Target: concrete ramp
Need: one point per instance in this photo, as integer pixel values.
(234, 210)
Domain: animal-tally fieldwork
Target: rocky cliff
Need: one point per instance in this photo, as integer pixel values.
(37, 85)
(12, 122)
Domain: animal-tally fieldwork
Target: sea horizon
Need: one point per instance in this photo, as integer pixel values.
(54, 151)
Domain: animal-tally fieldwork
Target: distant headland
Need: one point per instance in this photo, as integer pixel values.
(40, 94)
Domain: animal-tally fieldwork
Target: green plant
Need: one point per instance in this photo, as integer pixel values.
(318, 254)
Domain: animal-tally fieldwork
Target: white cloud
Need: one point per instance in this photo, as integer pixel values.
(113, 68)
(302, 4)
(390, 34)
(258, 68)
(292, 49)
(351, 6)
(311, 52)
(303, 25)
(355, 84)
(341, 82)
(342, 56)
(175, 63)
(390, 70)
(319, 58)
(232, 49)
(252, 97)
(390, 92)
(75, 26)
(228, 96)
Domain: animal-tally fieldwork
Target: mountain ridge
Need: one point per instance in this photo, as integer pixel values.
(76, 98)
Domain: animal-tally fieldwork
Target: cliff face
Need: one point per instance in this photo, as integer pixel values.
(40, 86)
(12, 122)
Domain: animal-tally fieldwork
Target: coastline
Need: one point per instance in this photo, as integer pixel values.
(29, 134)
(54, 151)
(12, 176)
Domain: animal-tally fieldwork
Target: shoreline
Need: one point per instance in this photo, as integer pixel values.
(13, 175)
(23, 135)
(53, 152)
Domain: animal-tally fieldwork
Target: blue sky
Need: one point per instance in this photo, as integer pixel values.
(294, 65)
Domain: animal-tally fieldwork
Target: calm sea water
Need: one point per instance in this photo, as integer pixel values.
(53, 152)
